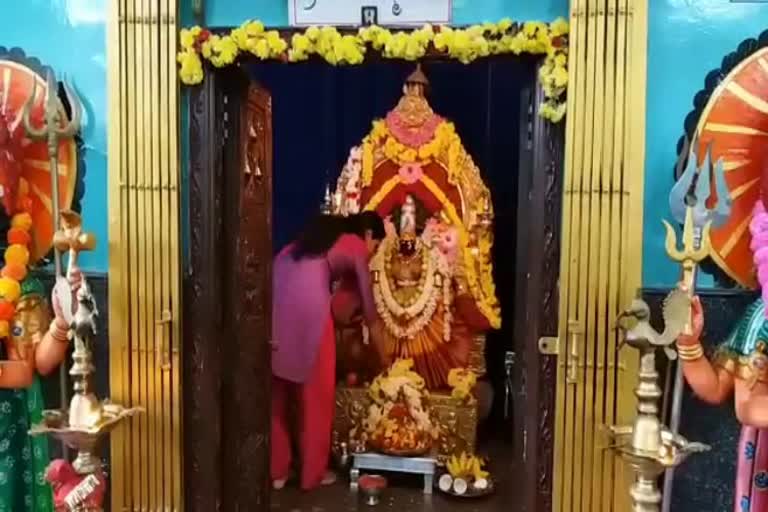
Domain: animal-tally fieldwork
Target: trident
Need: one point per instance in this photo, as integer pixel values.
(688, 203)
(55, 127)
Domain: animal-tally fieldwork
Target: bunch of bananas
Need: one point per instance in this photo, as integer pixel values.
(467, 467)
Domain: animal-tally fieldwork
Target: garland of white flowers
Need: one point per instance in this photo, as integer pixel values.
(432, 284)
(426, 282)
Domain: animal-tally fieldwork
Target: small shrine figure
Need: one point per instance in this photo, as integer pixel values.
(432, 274)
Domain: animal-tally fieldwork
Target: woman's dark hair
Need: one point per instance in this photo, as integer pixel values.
(323, 231)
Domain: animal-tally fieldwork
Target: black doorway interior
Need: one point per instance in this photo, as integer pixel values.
(320, 112)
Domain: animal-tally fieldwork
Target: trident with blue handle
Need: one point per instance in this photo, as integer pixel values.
(688, 203)
(55, 127)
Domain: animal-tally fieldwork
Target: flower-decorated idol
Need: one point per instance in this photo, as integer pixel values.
(432, 274)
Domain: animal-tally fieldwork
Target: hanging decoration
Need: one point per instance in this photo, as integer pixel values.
(337, 48)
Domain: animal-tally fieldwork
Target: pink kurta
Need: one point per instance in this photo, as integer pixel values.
(301, 302)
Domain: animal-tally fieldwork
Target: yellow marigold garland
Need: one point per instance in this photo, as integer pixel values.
(444, 147)
(15, 269)
(462, 381)
(465, 45)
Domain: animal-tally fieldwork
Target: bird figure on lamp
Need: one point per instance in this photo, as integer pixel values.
(635, 322)
(84, 322)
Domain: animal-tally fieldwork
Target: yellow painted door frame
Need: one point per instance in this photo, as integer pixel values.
(144, 255)
(601, 248)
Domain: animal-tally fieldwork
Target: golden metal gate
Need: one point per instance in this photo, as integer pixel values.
(144, 288)
(601, 247)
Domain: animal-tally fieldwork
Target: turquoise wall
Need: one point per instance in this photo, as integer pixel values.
(275, 12)
(686, 40)
(69, 36)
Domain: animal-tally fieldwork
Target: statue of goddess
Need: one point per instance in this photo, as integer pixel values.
(421, 296)
(432, 275)
(35, 347)
(739, 368)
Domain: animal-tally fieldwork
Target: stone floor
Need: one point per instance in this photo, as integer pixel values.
(403, 495)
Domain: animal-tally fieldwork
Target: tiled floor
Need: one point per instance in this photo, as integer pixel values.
(403, 495)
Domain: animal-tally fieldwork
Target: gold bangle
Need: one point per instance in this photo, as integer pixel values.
(690, 353)
(691, 350)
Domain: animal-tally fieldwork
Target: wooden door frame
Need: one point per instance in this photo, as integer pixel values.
(537, 298)
(206, 429)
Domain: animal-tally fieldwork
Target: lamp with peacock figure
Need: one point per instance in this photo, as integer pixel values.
(79, 486)
(647, 446)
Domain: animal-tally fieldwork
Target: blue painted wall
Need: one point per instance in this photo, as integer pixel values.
(686, 40)
(69, 35)
(275, 12)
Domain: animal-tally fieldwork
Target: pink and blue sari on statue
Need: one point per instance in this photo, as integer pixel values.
(751, 491)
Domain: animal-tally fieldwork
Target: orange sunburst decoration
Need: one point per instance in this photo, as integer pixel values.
(735, 123)
(33, 188)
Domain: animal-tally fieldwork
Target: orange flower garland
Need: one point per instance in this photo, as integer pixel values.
(15, 269)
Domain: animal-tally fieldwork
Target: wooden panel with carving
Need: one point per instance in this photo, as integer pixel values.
(248, 283)
(552, 160)
(536, 314)
(202, 306)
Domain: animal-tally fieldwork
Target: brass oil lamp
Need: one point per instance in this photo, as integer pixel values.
(647, 446)
(87, 420)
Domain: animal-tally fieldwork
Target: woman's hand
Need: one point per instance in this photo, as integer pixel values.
(697, 325)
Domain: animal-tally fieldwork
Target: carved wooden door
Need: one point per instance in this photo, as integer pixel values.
(247, 306)
(536, 299)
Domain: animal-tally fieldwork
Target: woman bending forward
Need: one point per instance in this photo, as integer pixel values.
(304, 351)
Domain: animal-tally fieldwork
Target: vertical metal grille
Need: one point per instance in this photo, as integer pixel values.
(601, 247)
(144, 291)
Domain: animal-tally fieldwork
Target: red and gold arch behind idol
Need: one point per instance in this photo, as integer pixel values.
(16, 82)
(414, 151)
(735, 122)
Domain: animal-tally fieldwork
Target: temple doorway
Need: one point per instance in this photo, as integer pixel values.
(269, 144)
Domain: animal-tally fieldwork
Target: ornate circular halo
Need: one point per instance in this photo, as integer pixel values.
(16, 81)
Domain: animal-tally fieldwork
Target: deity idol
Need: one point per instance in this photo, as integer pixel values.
(432, 274)
(739, 368)
(31, 344)
(32, 349)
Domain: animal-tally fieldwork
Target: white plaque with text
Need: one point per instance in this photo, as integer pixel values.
(358, 12)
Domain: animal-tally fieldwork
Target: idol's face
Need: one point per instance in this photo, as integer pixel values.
(407, 247)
